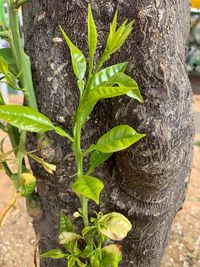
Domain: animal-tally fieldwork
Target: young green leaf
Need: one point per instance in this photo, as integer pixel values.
(54, 254)
(107, 92)
(113, 27)
(88, 186)
(92, 33)
(118, 138)
(65, 224)
(124, 80)
(97, 158)
(86, 110)
(117, 38)
(103, 76)
(78, 59)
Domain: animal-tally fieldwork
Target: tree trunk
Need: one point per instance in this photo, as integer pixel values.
(148, 181)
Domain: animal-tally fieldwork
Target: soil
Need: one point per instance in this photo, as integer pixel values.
(18, 241)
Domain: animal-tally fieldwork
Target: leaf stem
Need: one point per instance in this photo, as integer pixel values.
(5, 34)
(79, 162)
(20, 3)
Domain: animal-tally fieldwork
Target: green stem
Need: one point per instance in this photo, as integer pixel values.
(79, 162)
(14, 136)
(84, 203)
(21, 153)
(22, 60)
(7, 169)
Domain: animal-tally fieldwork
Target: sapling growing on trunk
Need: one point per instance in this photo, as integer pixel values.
(93, 245)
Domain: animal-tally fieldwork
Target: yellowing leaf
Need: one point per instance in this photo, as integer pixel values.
(66, 237)
(27, 184)
(50, 168)
(6, 211)
(115, 225)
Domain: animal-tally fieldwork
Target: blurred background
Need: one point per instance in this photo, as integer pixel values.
(17, 239)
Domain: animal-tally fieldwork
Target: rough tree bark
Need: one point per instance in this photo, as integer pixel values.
(148, 181)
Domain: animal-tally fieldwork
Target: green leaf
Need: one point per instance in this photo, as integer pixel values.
(97, 158)
(107, 92)
(92, 33)
(25, 118)
(118, 138)
(80, 263)
(8, 76)
(71, 262)
(7, 54)
(86, 110)
(103, 76)
(2, 102)
(94, 260)
(61, 132)
(28, 119)
(78, 59)
(124, 80)
(54, 254)
(88, 229)
(65, 224)
(88, 186)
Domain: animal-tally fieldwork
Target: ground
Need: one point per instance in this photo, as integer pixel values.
(18, 242)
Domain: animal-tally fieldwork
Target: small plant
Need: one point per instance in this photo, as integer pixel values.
(92, 246)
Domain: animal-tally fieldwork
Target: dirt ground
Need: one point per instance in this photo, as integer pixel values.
(17, 239)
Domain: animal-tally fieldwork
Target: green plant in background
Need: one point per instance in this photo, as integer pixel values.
(92, 246)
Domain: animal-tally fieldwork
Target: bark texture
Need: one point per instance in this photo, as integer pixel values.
(148, 181)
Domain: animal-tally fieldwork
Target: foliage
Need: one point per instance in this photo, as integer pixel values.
(86, 247)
